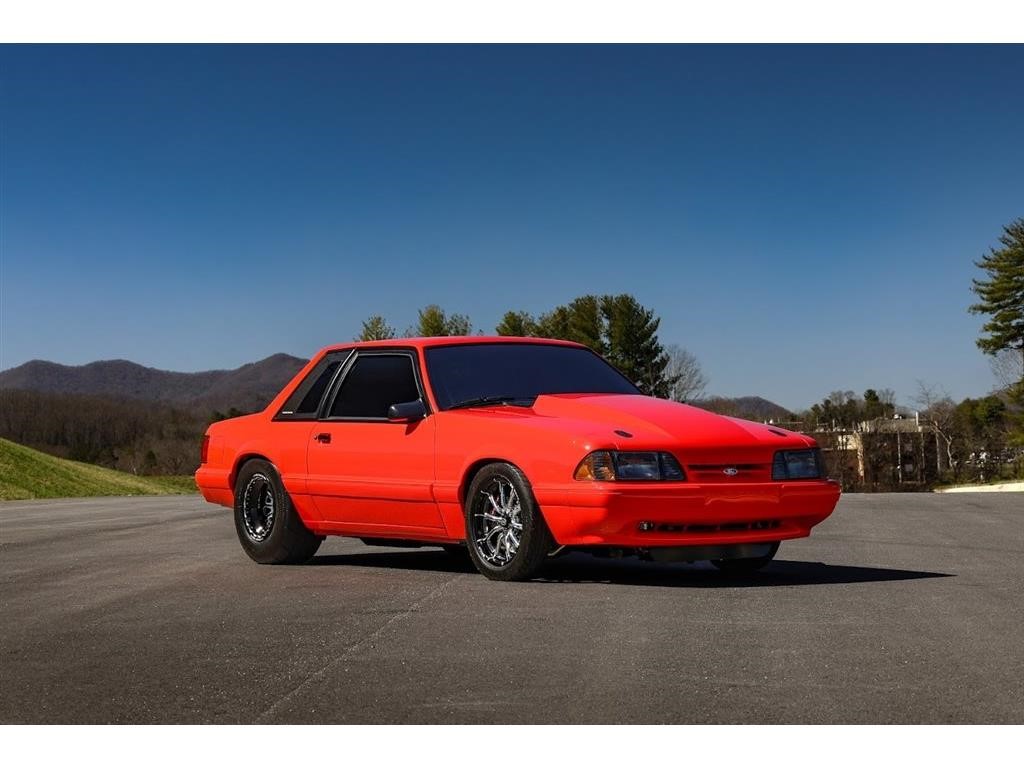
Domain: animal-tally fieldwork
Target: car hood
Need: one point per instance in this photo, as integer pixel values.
(651, 421)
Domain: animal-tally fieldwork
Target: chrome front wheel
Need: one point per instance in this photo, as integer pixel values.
(497, 525)
(507, 537)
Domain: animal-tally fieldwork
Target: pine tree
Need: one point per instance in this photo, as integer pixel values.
(873, 408)
(431, 322)
(1002, 293)
(555, 324)
(375, 329)
(631, 333)
(517, 324)
(587, 323)
(1002, 298)
(434, 322)
(458, 325)
(619, 328)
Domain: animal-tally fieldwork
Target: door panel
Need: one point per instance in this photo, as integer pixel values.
(363, 469)
(375, 473)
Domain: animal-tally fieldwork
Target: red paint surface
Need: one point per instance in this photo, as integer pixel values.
(408, 480)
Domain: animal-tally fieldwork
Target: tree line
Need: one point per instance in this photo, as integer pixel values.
(875, 445)
(137, 436)
(617, 327)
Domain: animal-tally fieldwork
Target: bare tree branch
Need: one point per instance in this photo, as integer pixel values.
(683, 371)
(1008, 368)
(938, 411)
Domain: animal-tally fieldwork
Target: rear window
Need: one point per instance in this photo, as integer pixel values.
(467, 371)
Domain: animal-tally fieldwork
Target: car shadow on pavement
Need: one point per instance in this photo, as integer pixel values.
(585, 569)
(778, 573)
(408, 560)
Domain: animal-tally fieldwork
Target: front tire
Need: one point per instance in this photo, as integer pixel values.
(268, 526)
(506, 535)
(745, 566)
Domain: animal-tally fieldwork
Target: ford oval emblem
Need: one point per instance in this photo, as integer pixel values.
(731, 471)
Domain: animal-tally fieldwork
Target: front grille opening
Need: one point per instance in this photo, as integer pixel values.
(756, 525)
(729, 473)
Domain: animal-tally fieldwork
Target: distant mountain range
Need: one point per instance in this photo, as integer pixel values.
(749, 407)
(248, 388)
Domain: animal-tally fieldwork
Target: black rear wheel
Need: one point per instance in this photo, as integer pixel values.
(268, 526)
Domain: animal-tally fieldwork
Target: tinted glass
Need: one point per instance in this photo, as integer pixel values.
(464, 372)
(305, 400)
(311, 401)
(375, 383)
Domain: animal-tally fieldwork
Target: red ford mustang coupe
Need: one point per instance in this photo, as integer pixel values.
(514, 449)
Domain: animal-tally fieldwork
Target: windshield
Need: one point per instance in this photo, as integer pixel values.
(465, 372)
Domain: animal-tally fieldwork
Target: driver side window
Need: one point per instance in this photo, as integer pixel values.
(375, 383)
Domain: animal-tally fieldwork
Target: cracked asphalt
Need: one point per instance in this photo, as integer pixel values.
(901, 608)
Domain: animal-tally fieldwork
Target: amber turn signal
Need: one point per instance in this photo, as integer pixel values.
(597, 466)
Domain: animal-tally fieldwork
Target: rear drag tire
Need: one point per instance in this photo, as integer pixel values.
(283, 539)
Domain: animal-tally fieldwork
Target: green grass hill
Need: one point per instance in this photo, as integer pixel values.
(30, 474)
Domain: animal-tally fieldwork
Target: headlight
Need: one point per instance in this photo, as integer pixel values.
(798, 465)
(632, 465)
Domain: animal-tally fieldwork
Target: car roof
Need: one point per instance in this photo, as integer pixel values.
(420, 342)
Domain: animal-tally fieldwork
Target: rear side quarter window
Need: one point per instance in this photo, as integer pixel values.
(304, 402)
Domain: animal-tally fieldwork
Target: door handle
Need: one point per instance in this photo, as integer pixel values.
(323, 437)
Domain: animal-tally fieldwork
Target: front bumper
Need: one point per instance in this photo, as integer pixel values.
(679, 514)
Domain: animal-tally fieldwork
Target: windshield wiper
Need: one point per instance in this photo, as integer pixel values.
(489, 400)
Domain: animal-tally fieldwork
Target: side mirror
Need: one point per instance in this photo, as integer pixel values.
(404, 413)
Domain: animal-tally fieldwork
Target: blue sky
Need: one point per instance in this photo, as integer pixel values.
(803, 218)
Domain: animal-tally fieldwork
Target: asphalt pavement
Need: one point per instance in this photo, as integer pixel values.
(899, 609)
